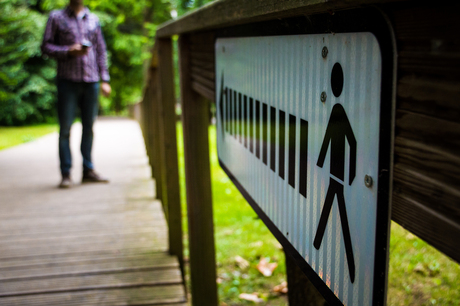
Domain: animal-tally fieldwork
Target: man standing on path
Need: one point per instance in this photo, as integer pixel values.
(73, 36)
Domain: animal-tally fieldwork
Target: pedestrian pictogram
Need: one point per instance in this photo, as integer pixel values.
(338, 130)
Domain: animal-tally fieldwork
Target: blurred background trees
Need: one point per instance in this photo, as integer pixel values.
(27, 79)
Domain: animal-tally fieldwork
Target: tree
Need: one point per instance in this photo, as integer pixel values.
(26, 79)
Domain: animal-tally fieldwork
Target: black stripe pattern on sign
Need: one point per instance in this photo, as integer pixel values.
(292, 137)
(282, 138)
(231, 112)
(264, 132)
(273, 138)
(240, 121)
(227, 113)
(235, 102)
(303, 157)
(245, 122)
(258, 129)
(250, 124)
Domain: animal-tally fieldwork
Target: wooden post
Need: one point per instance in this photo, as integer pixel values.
(195, 119)
(300, 290)
(167, 125)
(145, 119)
(152, 126)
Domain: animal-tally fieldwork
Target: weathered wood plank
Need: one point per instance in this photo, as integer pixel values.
(64, 234)
(195, 118)
(227, 13)
(429, 224)
(206, 55)
(203, 81)
(167, 103)
(429, 96)
(90, 282)
(82, 268)
(204, 91)
(133, 239)
(202, 47)
(114, 207)
(427, 148)
(92, 221)
(157, 295)
(202, 64)
(95, 247)
(208, 74)
(153, 125)
(67, 261)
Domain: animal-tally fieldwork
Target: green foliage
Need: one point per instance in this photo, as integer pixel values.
(183, 6)
(26, 79)
(129, 30)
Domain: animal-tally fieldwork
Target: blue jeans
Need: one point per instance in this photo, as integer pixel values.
(70, 95)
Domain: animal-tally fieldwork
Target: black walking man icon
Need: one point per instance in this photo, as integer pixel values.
(338, 130)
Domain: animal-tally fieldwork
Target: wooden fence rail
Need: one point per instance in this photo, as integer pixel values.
(159, 128)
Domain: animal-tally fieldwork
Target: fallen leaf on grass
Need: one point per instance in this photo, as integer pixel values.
(420, 269)
(281, 288)
(253, 297)
(242, 263)
(266, 267)
(257, 244)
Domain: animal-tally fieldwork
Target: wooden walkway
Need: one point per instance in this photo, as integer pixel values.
(93, 244)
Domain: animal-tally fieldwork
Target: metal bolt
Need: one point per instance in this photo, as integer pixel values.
(324, 52)
(323, 96)
(368, 181)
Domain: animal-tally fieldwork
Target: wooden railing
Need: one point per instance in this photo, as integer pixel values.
(426, 159)
(158, 122)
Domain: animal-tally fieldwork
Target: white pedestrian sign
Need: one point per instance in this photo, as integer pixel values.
(298, 133)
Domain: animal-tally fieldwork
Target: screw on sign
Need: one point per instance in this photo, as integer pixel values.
(338, 130)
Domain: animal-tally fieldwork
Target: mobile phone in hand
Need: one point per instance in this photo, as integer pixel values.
(86, 44)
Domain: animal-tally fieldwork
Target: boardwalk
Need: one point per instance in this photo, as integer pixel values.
(94, 244)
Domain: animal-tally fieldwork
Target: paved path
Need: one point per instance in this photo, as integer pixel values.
(93, 244)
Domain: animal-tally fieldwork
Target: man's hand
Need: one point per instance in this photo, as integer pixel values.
(77, 50)
(106, 89)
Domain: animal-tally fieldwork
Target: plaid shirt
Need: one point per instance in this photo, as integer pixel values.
(65, 29)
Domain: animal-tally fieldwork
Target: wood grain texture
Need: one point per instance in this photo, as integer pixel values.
(95, 244)
(204, 91)
(227, 13)
(158, 295)
(167, 118)
(195, 118)
(155, 153)
(427, 142)
(202, 63)
(89, 282)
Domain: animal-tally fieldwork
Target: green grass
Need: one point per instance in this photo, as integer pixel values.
(12, 136)
(418, 275)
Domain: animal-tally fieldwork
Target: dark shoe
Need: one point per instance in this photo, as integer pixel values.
(66, 182)
(89, 176)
